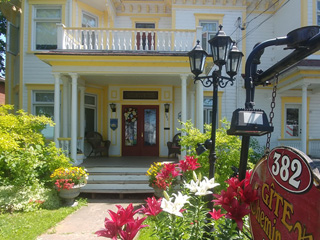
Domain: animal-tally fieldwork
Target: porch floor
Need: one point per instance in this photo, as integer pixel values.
(125, 162)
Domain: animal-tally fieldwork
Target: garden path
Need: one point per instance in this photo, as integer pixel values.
(82, 224)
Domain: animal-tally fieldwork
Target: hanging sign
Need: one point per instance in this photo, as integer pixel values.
(289, 193)
(113, 123)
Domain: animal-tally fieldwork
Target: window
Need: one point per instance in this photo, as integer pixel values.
(145, 38)
(89, 37)
(12, 36)
(209, 31)
(207, 110)
(43, 104)
(45, 20)
(292, 120)
(90, 102)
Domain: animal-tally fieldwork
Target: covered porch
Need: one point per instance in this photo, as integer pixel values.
(111, 78)
(299, 89)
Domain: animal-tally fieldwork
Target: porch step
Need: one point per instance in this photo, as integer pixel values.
(117, 180)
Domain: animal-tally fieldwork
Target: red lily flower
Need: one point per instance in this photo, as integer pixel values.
(248, 195)
(235, 183)
(123, 216)
(225, 198)
(189, 164)
(110, 231)
(237, 212)
(132, 229)
(216, 214)
(153, 207)
(169, 170)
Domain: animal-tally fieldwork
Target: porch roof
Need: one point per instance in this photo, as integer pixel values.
(120, 67)
(305, 72)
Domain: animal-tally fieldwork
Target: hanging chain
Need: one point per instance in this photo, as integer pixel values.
(271, 115)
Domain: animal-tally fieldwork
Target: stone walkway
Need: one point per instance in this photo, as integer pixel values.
(82, 224)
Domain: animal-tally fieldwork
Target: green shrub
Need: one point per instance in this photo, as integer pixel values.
(228, 149)
(26, 162)
(25, 158)
(27, 198)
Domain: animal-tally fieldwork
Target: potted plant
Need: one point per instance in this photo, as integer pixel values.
(68, 182)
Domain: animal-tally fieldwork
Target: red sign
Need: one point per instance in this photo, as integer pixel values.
(288, 206)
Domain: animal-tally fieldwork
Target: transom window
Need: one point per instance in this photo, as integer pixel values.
(45, 20)
(209, 30)
(145, 25)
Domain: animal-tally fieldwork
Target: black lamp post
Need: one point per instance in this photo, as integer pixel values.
(224, 52)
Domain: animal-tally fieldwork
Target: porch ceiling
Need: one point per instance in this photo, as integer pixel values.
(107, 68)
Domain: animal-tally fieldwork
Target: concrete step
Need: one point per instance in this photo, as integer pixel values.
(117, 180)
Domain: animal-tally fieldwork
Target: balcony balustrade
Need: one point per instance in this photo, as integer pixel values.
(125, 39)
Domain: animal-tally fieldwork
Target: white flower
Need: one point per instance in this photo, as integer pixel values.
(176, 206)
(205, 185)
(192, 186)
(211, 184)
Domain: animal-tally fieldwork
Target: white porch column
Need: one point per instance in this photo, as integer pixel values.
(304, 118)
(74, 115)
(183, 104)
(82, 117)
(192, 103)
(65, 108)
(56, 108)
(199, 106)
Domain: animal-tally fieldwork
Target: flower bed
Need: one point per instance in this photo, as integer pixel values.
(184, 214)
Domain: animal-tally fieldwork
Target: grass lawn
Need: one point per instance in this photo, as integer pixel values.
(28, 226)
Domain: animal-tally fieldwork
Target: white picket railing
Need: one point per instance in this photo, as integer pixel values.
(125, 39)
(65, 143)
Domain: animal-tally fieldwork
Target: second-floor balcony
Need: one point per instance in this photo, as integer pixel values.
(125, 39)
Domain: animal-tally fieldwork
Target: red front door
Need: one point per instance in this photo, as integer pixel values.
(140, 130)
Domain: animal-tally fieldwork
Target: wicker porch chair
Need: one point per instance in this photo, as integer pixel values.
(174, 146)
(98, 145)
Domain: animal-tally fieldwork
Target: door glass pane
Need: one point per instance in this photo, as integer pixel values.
(292, 122)
(130, 127)
(150, 126)
(90, 114)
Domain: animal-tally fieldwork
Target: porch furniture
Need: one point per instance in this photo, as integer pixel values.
(97, 144)
(174, 146)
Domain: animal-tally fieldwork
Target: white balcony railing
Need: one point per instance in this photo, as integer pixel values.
(125, 39)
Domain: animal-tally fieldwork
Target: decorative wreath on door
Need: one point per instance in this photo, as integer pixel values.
(130, 114)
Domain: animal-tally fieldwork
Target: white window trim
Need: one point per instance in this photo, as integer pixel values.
(90, 15)
(209, 33)
(35, 20)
